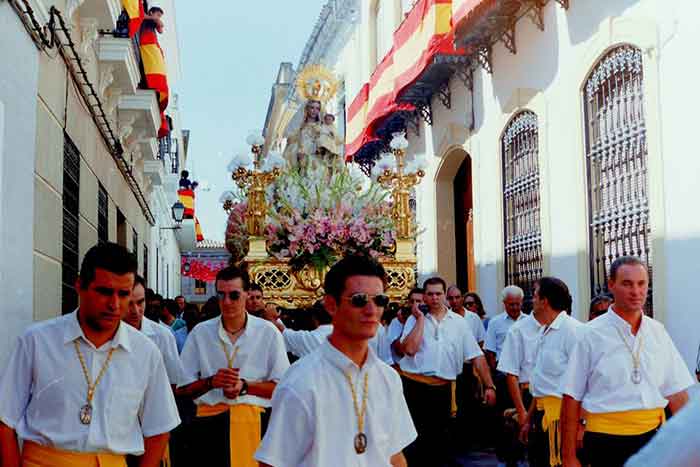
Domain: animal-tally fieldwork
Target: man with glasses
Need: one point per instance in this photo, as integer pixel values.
(436, 343)
(341, 405)
(232, 363)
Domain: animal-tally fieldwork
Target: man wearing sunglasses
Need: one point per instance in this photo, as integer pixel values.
(436, 345)
(341, 405)
(231, 365)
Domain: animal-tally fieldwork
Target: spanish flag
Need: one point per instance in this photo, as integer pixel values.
(187, 199)
(198, 230)
(154, 66)
(134, 9)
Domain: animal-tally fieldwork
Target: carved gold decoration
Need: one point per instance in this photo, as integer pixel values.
(301, 289)
(317, 83)
(255, 182)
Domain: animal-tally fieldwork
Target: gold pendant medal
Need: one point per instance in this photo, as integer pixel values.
(360, 443)
(86, 414)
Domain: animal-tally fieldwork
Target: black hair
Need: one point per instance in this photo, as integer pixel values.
(179, 296)
(149, 293)
(624, 261)
(418, 290)
(479, 305)
(435, 280)
(171, 307)
(110, 257)
(154, 9)
(139, 280)
(230, 273)
(190, 315)
(184, 174)
(158, 297)
(255, 286)
(556, 292)
(211, 308)
(598, 299)
(319, 313)
(350, 266)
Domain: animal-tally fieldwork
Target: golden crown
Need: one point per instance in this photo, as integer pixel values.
(317, 83)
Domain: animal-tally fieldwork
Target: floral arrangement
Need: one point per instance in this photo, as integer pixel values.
(237, 231)
(322, 216)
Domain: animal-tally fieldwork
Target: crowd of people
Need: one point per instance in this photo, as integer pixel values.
(133, 379)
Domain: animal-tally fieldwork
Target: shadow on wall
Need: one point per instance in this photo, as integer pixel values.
(589, 16)
(536, 64)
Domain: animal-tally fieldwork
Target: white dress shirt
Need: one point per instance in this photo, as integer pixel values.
(261, 356)
(476, 325)
(499, 326)
(164, 339)
(677, 444)
(519, 349)
(446, 345)
(392, 333)
(301, 343)
(313, 421)
(600, 368)
(43, 389)
(555, 343)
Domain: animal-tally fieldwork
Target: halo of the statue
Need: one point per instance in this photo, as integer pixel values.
(316, 82)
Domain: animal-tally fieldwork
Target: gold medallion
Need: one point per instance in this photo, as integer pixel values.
(360, 443)
(86, 414)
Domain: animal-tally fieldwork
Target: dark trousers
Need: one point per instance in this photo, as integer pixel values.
(429, 407)
(603, 450)
(538, 445)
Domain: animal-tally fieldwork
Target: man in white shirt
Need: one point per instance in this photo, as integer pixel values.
(164, 339)
(232, 363)
(436, 345)
(455, 300)
(341, 405)
(395, 330)
(301, 342)
(86, 389)
(624, 372)
(677, 444)
(158, 333)
(512, 297)
(557, 337)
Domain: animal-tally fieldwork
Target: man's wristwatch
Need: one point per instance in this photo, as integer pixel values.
(244, 388)
(582, 421)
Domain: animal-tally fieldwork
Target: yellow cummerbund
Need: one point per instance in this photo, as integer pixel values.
(551, 406)
(36, 455)
(245, 430)
(630, 423)
(434, 381)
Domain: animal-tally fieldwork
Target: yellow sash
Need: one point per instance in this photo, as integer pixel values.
(630, 423)
(550, 425)
(435, 381)
(36, 455)
(245, 430)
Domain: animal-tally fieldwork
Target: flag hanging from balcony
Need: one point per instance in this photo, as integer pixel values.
(187, 199)
(134, 9)
(154, 65)
(198, 230)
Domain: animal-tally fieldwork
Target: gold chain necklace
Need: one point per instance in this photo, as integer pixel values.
(86, 410)
(636, 357)
(360, 440)
(229, 358)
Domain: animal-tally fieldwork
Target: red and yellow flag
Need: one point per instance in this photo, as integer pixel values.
(154, 66)
(134, 9)
(187, 199)
(198, 230)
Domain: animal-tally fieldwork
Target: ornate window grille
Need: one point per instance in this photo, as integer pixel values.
(521, 204)
(71, 209)
(102, 214)
(616, 159)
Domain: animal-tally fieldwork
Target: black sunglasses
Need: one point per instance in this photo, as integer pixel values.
(469, 303)
(360, 300)
(233, 295)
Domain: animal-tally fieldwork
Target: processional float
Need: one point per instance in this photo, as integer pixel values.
(297, 213)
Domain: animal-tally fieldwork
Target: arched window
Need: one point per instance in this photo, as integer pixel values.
(521, 203)
(616, 160)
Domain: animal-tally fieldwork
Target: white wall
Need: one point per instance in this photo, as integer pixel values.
(18, 86)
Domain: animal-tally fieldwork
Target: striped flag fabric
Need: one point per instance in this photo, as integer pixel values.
(134, 9)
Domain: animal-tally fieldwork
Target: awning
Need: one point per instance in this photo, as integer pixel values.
(480, 22)
(426, 32)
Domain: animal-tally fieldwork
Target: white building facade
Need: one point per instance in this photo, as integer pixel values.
(557, 141)
(80, 158)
